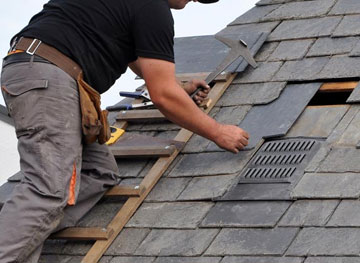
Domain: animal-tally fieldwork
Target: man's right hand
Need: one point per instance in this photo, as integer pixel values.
(231, 138)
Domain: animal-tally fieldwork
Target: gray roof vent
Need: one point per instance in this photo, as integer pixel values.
(277, 161)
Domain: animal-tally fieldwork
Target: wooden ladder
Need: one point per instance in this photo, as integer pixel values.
(136, 194)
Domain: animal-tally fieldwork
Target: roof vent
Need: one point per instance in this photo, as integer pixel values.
(277, 161)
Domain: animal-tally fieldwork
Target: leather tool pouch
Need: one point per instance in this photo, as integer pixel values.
(94, 121)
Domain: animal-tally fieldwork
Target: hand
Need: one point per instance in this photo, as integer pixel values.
(231, 138)
(192, 85)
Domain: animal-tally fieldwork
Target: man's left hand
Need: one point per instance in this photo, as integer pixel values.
(192, 85)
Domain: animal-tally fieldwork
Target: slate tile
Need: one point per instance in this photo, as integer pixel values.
(341, 160)
(356, 51)
(249, 242)
(276, 118)
(291, 50)
(54, 259)
(344, 7)
(77, 248)
(351, 135)
(188, 260)
(132, 260)
(355, 95)
(104, 260)
(262, 260)
(53, 246)
(245, 214)
(326, 242)
(318, 121)
(167, 189)
(305, 28)
(196, 144)
(176, 242)
(272, 2)
(265, 51)
(252, 94)
(349, 26)
(318, 158)
(127, 241)
(298, 10)
(101, 214)
(210, 164)
(332, 260)
(332, 46)
(258, 192)
(207, 188)
(263, 73)
(254, 15)
(341, 67)
(328, 185)
(130, 167)
(249, 28)
(300, 70)
(346, 215)
(343, 125)
(184, 215)
(309, 213)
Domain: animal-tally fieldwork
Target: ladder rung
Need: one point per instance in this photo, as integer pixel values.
(142, 151)
(126, 190)
(140, 115)
(83, 233)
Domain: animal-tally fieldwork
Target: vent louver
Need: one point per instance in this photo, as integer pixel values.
(278, 161)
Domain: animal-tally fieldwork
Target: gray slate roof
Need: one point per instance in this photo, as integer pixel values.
(201, 212)
(4, 115)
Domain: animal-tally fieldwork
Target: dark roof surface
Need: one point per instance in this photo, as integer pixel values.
(200, 212)
(4, 115)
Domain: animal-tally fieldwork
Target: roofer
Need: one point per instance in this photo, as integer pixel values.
(51, 79)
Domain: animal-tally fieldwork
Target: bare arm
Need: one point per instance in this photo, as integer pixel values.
(177, 106)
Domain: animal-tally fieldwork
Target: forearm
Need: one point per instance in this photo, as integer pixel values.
(178, 107)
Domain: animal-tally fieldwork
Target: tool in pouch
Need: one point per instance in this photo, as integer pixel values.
(116, 133)
(238, 48)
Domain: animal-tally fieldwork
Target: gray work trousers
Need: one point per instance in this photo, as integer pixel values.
(58, 169)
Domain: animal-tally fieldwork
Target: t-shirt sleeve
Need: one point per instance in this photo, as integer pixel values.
(153, 31)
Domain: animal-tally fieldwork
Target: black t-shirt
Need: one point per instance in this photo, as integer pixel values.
(103, 36)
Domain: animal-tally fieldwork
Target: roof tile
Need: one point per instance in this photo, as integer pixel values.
(210, 164)
(341, 67)
(264, 73)
(245, 214)
(346, 215)
(291, 50)
(168, 189)
(208, 187)
(341, 160)
(305, 28)
(127, 242)
(320, 241)
(262, 260)
(176, 242)
(296, 10)
(300, 70)
(188, 260)
(332, 260)
(254, 15)
(328, 185)
(251, 94)
(332, 46)
(265, 51)
(252, 241)
(345, 7)
(170, 215)
(349, 26)
(309, 213)
(132, 260)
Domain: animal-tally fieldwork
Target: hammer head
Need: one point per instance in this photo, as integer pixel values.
(238, 48)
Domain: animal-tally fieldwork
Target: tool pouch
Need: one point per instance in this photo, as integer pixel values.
(94, 121)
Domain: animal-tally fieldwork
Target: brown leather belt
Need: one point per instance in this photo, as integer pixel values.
(37, 47)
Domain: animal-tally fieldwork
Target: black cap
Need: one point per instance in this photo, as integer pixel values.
(207, 1)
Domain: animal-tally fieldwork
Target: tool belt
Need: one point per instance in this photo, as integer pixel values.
(94, 121)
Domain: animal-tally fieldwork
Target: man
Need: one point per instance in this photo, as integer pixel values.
(41, 79)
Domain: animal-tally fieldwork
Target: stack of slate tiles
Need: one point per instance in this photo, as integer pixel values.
(200, 212)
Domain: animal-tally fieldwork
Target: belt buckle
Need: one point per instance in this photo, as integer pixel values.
(28, 51)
